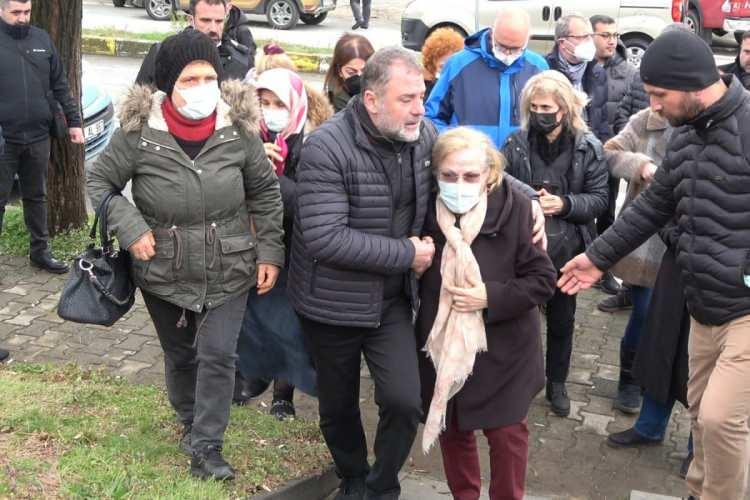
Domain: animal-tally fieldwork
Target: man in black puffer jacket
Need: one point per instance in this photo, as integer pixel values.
(741, 65)
(363, 185)
(705, 182)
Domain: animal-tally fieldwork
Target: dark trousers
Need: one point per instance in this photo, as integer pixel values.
(30, 163)
(199, 371)
(608, 217)
(509, 453)
(391, 355)
(361, 10)
(561, 315)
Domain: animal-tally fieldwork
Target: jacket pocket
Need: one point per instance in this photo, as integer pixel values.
(237, 261)
(159, 271)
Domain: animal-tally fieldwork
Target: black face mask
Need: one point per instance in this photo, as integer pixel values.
(16, 31)
(352, 85)
(543, 122)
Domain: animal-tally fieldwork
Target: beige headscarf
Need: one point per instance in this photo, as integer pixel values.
(456, 337)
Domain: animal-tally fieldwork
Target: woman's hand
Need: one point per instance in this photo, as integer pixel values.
(267, 275)
(273, 151)
(551, 204)
(144, 248)
(469, 299)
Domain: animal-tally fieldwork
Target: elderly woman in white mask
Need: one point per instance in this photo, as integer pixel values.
(481, 294)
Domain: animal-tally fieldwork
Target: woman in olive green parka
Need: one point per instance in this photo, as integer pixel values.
(199, 176)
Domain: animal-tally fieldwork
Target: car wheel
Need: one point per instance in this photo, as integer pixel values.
(118, 3)
(159, 10)
(282, 14)
(635, 48)
(313, 20)
(693, 21)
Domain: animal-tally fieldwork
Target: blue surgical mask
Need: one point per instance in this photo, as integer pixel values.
(461, 197)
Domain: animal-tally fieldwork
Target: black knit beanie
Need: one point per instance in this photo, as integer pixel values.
(679, 60)
(178, 51)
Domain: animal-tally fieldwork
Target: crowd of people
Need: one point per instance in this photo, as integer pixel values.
(425, 216)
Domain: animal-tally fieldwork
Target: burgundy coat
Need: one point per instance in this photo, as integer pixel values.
(519, 278)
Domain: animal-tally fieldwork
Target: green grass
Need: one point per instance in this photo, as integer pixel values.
(15, 238)
(159, 36)
(72, 433)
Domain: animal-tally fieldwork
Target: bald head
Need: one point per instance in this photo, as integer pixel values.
(511, 28)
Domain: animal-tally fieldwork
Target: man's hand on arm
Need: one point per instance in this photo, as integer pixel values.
(424, 251)
(76, 135)
(538, 235)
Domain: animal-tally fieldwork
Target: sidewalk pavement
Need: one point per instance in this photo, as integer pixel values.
(568, 456)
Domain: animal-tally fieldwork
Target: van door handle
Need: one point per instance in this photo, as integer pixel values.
(558, 13)
(545, 13)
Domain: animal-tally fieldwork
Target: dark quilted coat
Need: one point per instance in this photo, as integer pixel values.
(342, 250)
(634, 100)
(705, 182)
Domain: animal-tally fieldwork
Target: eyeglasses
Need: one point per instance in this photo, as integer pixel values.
(580, 38)
(515, 51)
(608, 36)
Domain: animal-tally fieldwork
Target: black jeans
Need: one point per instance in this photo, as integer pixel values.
(561, 314)
(391, 355)
(30, 163)
(361, 10)
(199, 372)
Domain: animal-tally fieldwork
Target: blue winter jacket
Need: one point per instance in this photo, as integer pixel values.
(477, 90)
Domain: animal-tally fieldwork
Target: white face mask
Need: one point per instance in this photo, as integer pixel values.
(276, 119)
(585, 51)
(459, 198)
(507, 59)
(200, 101)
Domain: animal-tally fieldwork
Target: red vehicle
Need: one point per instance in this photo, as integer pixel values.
(708, 17)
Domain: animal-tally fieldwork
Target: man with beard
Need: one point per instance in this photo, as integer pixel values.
(363, 185)
(31, 77)
(208, 17)
(705, 182)
(741, 65)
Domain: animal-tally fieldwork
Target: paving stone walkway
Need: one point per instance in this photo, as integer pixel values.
(568, 456)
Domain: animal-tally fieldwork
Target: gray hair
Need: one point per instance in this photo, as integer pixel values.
(562, 28)
(676, 27)
(377, 72)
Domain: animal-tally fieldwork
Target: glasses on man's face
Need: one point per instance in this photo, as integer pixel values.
(607, 36)
(579, 38)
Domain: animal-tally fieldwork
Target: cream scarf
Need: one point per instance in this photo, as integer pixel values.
(455, 338)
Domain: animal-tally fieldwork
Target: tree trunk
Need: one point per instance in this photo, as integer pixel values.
(66, 196)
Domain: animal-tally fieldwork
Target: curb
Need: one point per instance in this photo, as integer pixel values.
(116, 47)
(310, 488)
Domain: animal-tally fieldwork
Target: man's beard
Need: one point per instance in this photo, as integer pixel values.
(395, 131)
(690, 108)
(19, 31)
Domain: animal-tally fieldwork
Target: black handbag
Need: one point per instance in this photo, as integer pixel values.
(99, 289)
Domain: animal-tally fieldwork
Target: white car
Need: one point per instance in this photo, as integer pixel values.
(638, 21)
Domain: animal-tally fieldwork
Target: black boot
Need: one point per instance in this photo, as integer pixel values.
(628, 391)
(4, 354)
(207, 463)
(620, 302)
(45, 261)
(185, 444)
(629, 439)
(282, 409)
(351, 489)
(557, 395)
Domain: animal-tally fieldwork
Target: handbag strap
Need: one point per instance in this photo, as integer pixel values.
(100, 218)
(88, 268)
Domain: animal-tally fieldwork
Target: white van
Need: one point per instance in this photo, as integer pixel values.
(638, 21)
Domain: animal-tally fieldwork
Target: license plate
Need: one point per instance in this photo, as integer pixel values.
(94, 129)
